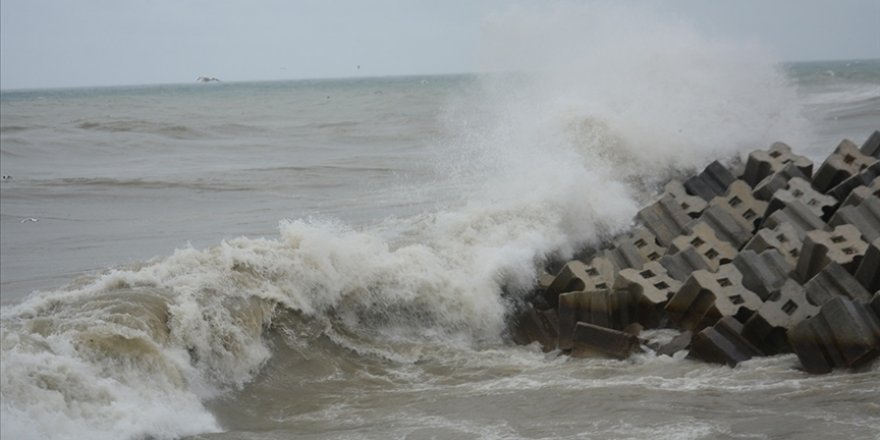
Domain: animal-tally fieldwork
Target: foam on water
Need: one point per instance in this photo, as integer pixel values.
(607, 102)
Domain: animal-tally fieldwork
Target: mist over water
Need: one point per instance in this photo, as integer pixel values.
(373, 236)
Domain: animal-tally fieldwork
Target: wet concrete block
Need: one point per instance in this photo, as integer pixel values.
(716, 252)
(765, 189)
(691, 205)
(865, 216)
(726, 227)
(739, 202)
(784, 238)
(763, 273)
(712, 182)
(843, 334)
(680, 342)
(634, 249)
(650, 288)
(723, 343)
(761, 163)
(798, 216)
(606, 308)
(801, 190)
(706, 297)
(842, 190)
(768, 328)
(875, 304)
(834, 281)
(577, 275)
(868, 272)
(845, 162)
(842, 245)
(591, 340)
(665, 219)
(679, 265)
(533, 325)
(862, 192)
(871, 147)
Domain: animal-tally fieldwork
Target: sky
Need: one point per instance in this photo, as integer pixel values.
(62, 43)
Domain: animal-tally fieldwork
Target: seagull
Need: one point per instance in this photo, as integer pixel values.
(29, 219)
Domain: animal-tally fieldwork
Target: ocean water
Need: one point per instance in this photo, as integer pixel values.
(338, 258)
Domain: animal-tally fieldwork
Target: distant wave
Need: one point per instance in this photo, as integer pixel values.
(200, 185)
(174, 131)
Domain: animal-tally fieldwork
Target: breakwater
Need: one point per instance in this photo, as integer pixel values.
(760, 258)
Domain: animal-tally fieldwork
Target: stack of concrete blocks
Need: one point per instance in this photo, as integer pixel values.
(776, 259)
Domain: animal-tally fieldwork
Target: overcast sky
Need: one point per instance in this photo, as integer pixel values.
(59, 43)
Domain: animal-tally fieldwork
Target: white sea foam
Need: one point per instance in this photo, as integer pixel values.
(609, 100)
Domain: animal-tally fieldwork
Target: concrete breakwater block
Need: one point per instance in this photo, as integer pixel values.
(714, 251)
(577, 275)
(868, 273)
(723, 343)
(871, 147)
(864, 177)
(801, 190)
(739, 202)
(712, 182)
(590, 340)
(843, 245)
(784, 238)
(763, 163)
(843, 334)
(691, 205)
(707, 296)
(799, 216)
(862, 192)
(680, 342)
(650, 288)
(768, 328)
(762, 273)
(725, 225)
(533, 325)
(845, 162)
(834, 281)
(865, 217)
(605, 308)
(765, 189)
(665, 219)
(680, 265)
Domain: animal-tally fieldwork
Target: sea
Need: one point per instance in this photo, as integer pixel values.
(340, 258)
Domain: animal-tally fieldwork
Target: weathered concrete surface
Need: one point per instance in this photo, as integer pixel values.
(591, 340)
(577, 276)
(845, 162)
(862, 192)
(650, 288)
(691, 205)
(801, 190)
(614, 309)
(725, 225)
(723, 343)
(864, 216)
(843, 334)
(868, 272)
(768, 328)
(784, 238)
(533, 325)
(834, 281)
(644, 242)
(864, 177)
(665, 219)
(712, 182)
(799, 216)
(843, 245)
(679, 265)
(739, 202)
(716, 252)
(706, 297)
(765, 189)
(762, 273)
(761, 163)
(871, 147)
